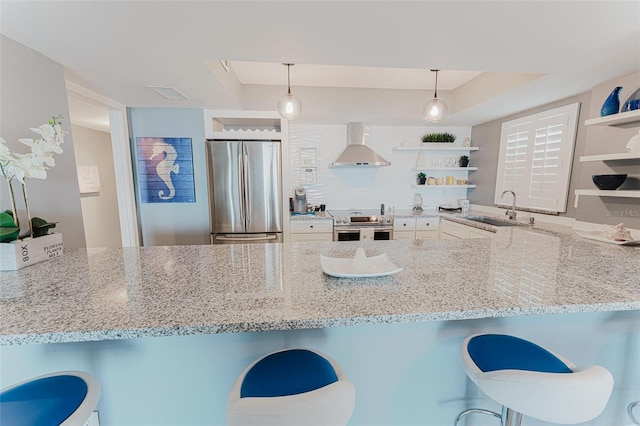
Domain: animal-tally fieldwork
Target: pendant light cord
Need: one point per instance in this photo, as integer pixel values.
(289, 78)
(435, 91)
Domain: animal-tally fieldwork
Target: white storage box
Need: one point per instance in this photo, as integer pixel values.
(20, 253)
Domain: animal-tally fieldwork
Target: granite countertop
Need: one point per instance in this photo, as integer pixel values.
(314, 216)
(102, 294)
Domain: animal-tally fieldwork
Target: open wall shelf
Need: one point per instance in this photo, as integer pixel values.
(618, 193)
(622, 119)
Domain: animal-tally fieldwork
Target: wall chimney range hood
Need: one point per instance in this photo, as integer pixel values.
(357, 154)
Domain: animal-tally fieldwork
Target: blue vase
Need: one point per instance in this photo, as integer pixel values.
(612, 104)
(632, 103)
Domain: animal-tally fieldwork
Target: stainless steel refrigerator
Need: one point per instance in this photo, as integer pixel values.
(245, 198)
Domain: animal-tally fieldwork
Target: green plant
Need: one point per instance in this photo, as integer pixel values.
(422, 175)
(439, 137)
(464, 158)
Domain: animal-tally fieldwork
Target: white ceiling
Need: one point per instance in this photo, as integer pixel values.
(117, 48)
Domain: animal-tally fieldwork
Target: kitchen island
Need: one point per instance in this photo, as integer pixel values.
(133, 315)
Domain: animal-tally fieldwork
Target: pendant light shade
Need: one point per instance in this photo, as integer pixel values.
(289, 106)
(436, 109)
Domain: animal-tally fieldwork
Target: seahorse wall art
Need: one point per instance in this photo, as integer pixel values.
(166, 166)
(165, 170)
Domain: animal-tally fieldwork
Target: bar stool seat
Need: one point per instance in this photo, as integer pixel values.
(291, 387)
(64, 398)
(630, 409)
(527, 379)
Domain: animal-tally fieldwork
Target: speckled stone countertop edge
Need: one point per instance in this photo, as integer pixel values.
(173, 331)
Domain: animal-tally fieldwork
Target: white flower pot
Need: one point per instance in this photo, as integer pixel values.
(20, 253)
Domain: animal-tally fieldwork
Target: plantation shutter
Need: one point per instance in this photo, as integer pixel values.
(535, 160)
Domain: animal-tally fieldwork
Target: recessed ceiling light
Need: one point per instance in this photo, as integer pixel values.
(169, 92)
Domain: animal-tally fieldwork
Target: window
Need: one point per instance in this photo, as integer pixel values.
(536, 153)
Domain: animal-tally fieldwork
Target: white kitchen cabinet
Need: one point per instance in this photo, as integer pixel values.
(452, 230)
(311, 230)
(414, 228)
(427, 228)
(624, 119)
(404, 228)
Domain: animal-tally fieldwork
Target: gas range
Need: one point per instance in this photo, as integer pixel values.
(360, 218)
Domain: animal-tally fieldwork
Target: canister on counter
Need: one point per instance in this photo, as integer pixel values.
(450, 180)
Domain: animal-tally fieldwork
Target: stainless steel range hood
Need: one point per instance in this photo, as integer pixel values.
(357, 154)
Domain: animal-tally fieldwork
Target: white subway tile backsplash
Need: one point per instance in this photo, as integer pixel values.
(368, 187)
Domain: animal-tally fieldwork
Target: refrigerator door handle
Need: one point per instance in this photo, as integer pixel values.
(263, 237)
(243, 184)
(247, 190)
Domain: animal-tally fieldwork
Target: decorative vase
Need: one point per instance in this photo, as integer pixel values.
(417, 202)
(464, 162)
(612, 104)
(633, 102)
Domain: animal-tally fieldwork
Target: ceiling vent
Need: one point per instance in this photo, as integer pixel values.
(169, 93)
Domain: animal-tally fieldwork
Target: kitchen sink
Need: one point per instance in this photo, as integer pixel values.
(494, 221)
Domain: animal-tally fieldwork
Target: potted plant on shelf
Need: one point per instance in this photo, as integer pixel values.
(17, 251)
(439, 138)
(464, 161)
(422, 178)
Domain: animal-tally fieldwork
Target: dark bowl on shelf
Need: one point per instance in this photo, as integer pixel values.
(608, 182)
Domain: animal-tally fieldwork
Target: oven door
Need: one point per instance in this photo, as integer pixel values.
(353, 234)
(346, 234)
(383, 234)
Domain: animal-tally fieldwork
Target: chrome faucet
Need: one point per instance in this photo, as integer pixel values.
(511, 212)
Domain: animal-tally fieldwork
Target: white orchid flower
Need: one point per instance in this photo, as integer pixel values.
(32, 166)
(45, 130)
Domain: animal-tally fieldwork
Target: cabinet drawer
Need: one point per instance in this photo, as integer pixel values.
(319, 236)
(427, 223)
(404, 224)
(427, 235)
(454, 229)
(309, 226)
(404, 235)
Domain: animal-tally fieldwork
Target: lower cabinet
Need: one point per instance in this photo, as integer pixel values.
(404, 228)
(452, 230)
(416, 228)
(404, 235)
(311, 230)
(427, 228)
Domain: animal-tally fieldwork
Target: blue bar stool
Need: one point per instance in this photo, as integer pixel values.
(630, 408)
(291, 387)
(527, 379)
(65, 398)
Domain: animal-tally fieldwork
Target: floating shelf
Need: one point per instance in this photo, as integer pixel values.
(618, 193)
(435, 148)
(440, 186)
(611, 157)
(443, 169)
(622, 119)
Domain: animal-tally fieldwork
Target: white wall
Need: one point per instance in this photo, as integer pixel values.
(33, 90)
(173, 223)
(99, 210)
(368, 187)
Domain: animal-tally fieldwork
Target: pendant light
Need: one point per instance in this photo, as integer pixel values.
(436, 109)
(289, 106)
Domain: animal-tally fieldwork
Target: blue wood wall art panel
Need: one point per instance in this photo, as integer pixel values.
(165, 170)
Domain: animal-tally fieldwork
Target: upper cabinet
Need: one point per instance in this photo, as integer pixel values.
(243, 125)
